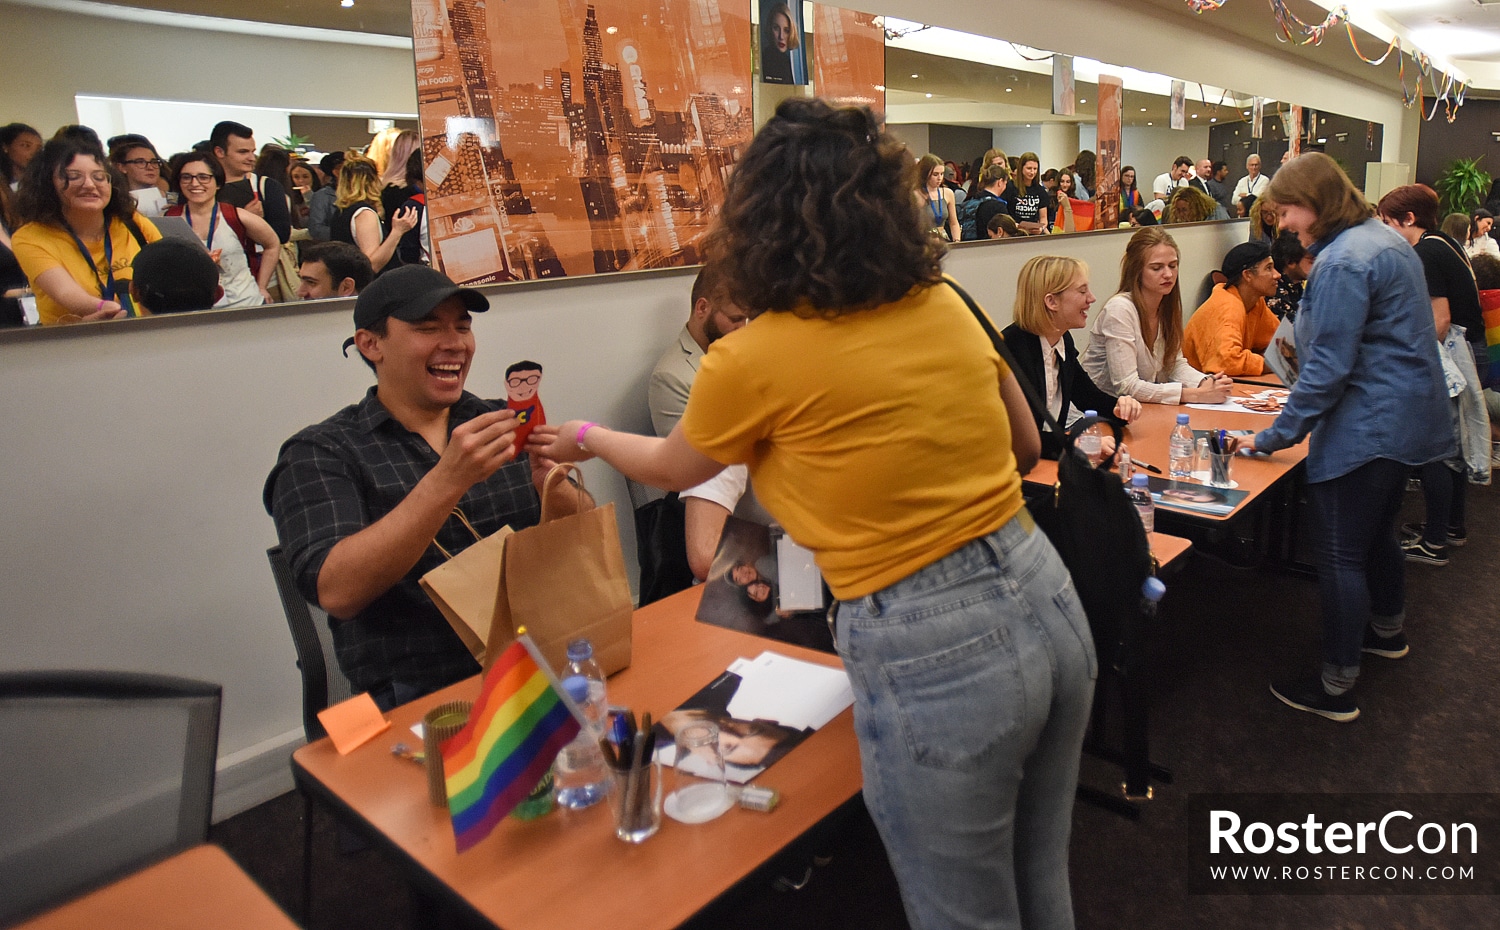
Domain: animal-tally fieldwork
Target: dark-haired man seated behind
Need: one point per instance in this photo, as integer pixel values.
(332, 269)
(358, 498)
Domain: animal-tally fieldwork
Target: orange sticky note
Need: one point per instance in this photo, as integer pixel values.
(352, 723)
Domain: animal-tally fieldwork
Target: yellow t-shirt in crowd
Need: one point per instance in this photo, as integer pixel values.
(878, 439)
(40, 247)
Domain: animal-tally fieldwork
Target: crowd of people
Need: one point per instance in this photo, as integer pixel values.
(77, 212)
(956, 620)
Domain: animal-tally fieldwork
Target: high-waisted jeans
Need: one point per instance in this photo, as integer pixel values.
(973, 680)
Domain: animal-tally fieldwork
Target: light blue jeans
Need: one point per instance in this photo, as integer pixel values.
(973, 680)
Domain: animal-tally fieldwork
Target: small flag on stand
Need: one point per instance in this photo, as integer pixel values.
(518, 725)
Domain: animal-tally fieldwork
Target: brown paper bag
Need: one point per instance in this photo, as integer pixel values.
(565, 578)
(463, 587)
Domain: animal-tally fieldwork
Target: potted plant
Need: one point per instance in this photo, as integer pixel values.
(294, 143)
(1463, 186)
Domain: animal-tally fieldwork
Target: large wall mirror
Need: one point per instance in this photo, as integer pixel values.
(947, 93)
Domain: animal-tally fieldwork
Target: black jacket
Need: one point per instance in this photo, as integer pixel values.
(1073, 381)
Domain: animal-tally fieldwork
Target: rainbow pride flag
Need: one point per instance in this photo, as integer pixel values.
(517, 726)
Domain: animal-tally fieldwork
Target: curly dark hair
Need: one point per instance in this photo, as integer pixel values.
(820, 212)
(37, 201)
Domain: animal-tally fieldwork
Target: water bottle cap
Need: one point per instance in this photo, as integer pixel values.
(1182, 419)
(1091, 413)
(580, 650)
(1153, 590)
(1141, 480)
(577, 687)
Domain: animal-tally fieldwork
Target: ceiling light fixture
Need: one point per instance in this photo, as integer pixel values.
(916, 75)
(1148, 124)
(1143, 109)
(1081, 100)
(346, 4)
(1009, 89)
(1215, 119)
(929, 95)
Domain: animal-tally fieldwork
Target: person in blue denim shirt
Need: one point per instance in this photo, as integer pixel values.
(1370, 390)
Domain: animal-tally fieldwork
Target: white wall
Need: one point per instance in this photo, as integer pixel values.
(917, 136)
(53, 56)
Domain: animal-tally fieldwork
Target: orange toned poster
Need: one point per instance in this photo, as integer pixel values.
(1111, 95)
(563, 138)
(849, 57)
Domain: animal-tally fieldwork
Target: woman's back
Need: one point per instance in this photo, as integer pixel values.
(881, 443)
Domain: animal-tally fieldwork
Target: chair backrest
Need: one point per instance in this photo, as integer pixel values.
(323, 683)
(104, 772)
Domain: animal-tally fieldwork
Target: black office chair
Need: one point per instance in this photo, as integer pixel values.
(660, 543)
(104, 773)
(323, 683)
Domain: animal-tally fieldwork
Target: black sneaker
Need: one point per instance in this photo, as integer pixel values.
(1308, 694)
(1390, 647)
(1417, 550)
(1410, 531)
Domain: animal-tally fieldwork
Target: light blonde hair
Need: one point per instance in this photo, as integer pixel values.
(359, 182)
(1169, 314)
(395, 168)
(1040, 276)
(379, 149)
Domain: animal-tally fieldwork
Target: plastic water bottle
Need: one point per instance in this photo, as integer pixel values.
(1123, 463)
(1152, 591)
(579, 777)
(1180, 449)
(581, 662)
(1090, 442)
(1140, 496)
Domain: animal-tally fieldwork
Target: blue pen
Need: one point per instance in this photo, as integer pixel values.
(1223, 439)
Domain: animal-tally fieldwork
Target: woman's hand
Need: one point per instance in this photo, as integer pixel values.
(1127, 408)
(558, 443)
(405, 221)
(107, 310)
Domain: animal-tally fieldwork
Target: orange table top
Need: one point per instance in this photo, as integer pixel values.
(567, 869)
(199, 888)
(1147, 438)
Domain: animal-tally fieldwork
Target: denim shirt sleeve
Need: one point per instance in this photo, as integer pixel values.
(1329, 327)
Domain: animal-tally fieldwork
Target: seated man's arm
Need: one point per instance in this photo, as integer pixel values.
(704, 521)
(363, 565)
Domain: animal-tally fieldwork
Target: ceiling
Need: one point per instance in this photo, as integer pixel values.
(1463, 30)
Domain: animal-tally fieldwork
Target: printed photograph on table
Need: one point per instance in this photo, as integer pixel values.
(566, 138)
(1185, 495)
(783, 42)
(741, 591)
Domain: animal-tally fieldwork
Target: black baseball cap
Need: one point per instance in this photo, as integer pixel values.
(1244, 256)
(331, 161)
(409, 293)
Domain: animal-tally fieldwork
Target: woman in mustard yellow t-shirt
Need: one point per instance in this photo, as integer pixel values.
(883, 432)
(81, 235)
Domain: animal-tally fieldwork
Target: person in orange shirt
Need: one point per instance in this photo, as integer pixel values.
(1234, 326)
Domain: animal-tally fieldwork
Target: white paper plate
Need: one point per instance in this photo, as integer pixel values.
(698, 803)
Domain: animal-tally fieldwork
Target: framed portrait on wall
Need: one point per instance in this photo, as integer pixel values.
(783, 42)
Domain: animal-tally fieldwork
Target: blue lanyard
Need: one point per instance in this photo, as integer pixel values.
(108, 289)
(213, 224)
(936, 206)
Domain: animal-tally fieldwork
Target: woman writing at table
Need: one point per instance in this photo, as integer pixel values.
(888, 437)
(80, 236)
(1135, 344)
(1370, 390)
(1053, 297)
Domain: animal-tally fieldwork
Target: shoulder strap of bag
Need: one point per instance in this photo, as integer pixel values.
(1038, 406)
(135, 230)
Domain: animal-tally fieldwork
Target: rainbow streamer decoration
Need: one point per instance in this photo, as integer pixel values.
(518, 725)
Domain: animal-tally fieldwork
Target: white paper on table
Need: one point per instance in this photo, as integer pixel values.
(796, 694)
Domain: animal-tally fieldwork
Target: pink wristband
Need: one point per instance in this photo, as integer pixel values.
(581, 430)
(99, 306)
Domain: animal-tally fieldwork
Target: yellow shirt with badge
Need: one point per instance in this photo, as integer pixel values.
(878, 438)
(40, 248)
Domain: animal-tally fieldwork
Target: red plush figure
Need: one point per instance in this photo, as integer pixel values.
(521, 382)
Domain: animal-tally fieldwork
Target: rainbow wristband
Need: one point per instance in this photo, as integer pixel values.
(578, 440)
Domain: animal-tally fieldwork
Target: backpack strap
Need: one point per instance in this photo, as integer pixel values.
(135, 230)
(231, 216)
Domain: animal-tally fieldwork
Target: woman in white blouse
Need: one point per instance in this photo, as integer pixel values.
(1135, 343)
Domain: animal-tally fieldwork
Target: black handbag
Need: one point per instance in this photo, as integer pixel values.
(661, 548)
(1089, 519)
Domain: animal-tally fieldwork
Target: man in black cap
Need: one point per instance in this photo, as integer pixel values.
(1232, 329)
(359, 498)
(173, 276)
